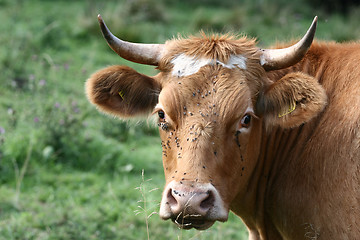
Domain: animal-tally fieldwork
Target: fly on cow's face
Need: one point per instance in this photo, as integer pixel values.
(164, 125)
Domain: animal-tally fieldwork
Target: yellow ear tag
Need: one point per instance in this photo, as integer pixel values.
(292, 107)
(121, 94)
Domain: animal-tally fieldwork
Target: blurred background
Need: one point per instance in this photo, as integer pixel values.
(69, 172)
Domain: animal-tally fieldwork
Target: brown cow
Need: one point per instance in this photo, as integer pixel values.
(270, 134)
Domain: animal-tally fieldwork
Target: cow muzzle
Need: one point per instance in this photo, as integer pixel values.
(192, 205)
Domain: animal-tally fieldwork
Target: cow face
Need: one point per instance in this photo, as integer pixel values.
(206, 121)
(212, 99)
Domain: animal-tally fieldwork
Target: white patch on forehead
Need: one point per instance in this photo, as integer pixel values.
(187, 65)
(235, 61)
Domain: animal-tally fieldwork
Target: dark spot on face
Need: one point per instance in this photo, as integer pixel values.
(204, 167)
(237, 138)
(215, 153)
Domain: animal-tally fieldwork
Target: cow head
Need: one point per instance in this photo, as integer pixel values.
(212, 98)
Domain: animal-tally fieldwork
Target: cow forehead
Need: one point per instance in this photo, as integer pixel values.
(213, 93)
(184, 65)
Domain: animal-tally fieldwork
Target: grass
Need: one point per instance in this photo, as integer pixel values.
(68, 172)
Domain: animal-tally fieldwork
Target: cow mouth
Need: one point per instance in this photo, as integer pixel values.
(193, 222)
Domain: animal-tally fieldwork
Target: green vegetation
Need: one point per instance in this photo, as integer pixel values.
(68, 172)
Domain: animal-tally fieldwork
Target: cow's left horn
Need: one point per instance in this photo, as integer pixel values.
(274, 59)
(136, 52)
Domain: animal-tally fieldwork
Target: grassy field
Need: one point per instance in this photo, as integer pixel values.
(68, 172)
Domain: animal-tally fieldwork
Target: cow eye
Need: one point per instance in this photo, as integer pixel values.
(161, 114)
(246, 120)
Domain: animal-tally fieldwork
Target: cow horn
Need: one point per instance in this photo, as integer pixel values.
(136, 52)
(274, 59)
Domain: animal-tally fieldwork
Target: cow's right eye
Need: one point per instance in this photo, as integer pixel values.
(245, 121)
(161, 114)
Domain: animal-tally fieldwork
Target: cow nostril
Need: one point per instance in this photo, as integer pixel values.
(208, 202)
(171, 200)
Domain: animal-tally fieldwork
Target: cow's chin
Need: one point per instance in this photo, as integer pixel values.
(193, 223)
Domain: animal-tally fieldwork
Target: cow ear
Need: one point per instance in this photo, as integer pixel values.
(123, 92)
(294, 99)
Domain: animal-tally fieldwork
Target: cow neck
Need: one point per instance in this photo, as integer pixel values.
(278, 151)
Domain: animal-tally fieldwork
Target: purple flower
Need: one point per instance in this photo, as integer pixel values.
(42, 82)
(36, 119)
(2, 131)
(57, 105)
(66, 66)
(32, 77)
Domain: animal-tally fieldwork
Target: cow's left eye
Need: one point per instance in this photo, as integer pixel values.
(161, 114)
(246, 120)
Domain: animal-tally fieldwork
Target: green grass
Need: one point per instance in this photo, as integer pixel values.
(68, 172)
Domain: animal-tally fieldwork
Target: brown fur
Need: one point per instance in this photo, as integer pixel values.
(291, 177)
(292, 100)
(123, 92)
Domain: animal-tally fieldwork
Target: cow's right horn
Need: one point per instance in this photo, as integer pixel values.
(140, 53)
(274, 59)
